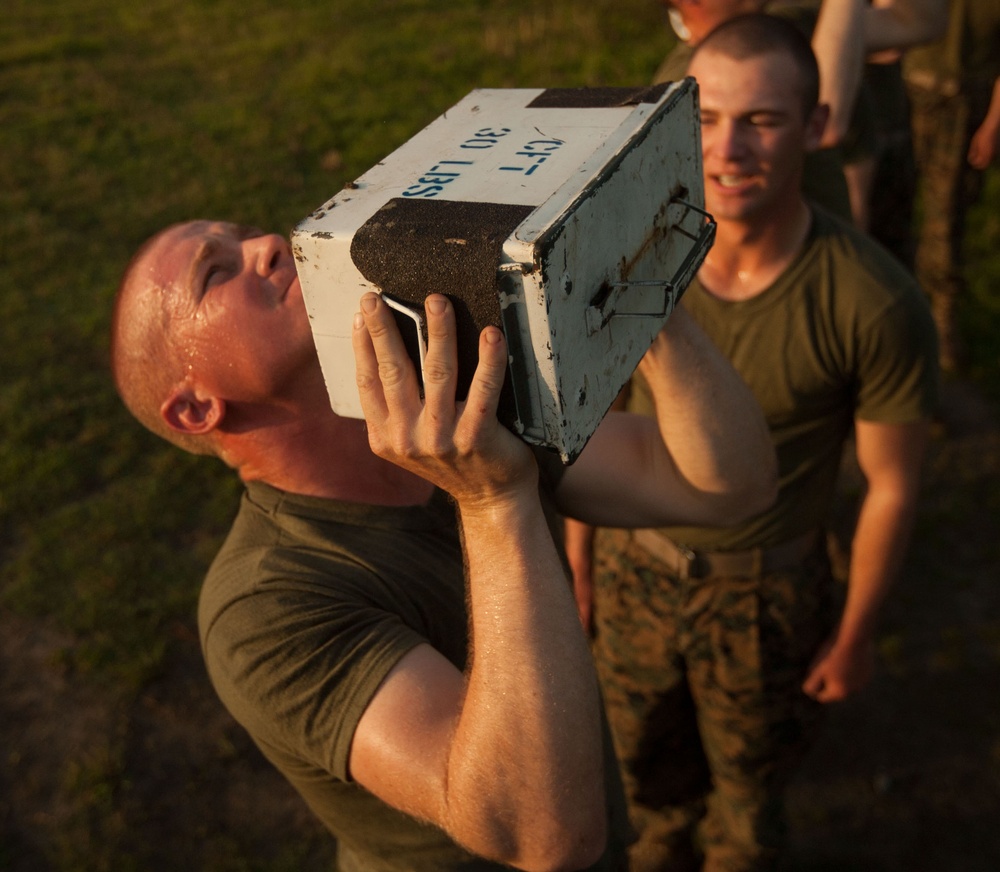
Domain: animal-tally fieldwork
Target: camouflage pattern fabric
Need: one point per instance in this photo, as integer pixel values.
(702, 680)
(942, 129)
(948, 186)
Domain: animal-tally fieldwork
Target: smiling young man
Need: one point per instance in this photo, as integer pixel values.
(413, 664)
(716, 645)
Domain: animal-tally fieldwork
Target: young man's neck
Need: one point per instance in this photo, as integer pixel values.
(749, 256)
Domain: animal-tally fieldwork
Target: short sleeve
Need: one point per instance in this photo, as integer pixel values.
(298, 666)
(898, 374)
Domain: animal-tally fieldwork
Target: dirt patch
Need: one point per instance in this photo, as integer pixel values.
(164, 781)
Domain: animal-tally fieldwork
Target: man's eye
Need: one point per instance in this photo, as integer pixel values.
(214, 276)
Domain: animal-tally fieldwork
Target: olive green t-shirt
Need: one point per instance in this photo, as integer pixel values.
(306, 608)
(843, 334)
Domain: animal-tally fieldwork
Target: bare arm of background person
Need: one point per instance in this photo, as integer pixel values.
(986, 140)
(901, 24)
(847, 31)
(839, 45)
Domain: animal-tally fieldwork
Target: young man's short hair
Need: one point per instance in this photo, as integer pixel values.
(750, 36)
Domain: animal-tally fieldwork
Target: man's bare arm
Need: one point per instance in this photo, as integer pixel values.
(890, 457)
(839, 45)
(707, 459)
(902, 24)
(985, 141)
(508, 758)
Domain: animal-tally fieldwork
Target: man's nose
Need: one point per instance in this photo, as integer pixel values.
(266, 252)
(728, 140)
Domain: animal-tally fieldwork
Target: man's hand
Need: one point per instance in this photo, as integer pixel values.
(840, 671)
(986, 140)
(460, 447)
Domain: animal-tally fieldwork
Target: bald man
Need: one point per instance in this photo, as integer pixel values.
(389, 617)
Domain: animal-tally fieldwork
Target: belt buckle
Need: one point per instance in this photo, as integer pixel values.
(691, 566)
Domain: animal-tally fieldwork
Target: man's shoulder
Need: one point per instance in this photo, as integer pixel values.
(855, 259)
(299, 546)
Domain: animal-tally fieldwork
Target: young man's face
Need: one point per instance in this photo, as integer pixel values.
(233, 307)
(754, 134)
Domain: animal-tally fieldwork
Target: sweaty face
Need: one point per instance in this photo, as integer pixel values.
(754, 135)
(232, 305)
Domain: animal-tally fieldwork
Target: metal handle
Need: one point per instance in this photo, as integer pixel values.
(600, 314)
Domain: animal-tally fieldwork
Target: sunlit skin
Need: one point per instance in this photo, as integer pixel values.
(701, 17)
(234, 302)
(754, 132)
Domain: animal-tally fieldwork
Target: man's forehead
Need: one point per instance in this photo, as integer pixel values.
(169, 258)
(757, 73)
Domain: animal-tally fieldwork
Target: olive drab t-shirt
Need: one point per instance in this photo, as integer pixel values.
(843, 333)
(306, 608)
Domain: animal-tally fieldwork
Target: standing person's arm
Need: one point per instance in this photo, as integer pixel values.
(838, 42)
(890, 457)
(578, 540)
(986, 140)
(508, 758)
(902, 24)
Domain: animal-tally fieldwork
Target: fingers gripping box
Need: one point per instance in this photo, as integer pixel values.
(570, 218)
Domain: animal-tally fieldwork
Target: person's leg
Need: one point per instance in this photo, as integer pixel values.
(649, 707)
(755, 640)
(940, 128)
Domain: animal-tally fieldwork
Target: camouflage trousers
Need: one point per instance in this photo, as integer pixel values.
(942, 129)
(702, 681)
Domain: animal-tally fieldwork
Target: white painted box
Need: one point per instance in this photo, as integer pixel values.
(571, 218)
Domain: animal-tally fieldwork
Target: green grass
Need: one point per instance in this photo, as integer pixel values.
(117, 118)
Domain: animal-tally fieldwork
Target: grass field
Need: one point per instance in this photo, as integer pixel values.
(117, 118)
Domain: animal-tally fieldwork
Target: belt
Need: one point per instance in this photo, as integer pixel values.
(685, 563)
(947, 86)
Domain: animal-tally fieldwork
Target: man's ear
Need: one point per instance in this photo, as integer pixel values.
(816, 125)
(185, 412)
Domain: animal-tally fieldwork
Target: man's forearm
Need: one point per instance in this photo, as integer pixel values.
(901, 24)
(525, 770)
(890, 457)
(709, 420)
(839, 45)
(881, 538)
